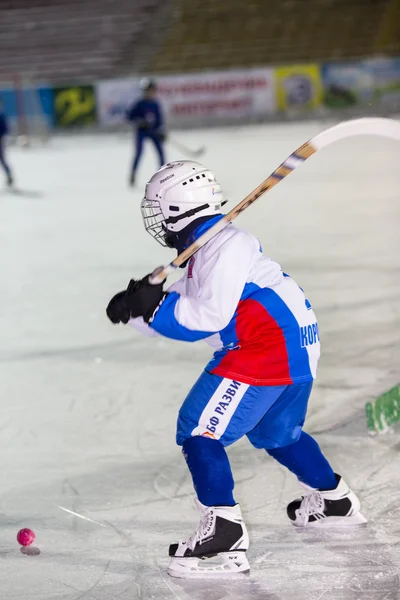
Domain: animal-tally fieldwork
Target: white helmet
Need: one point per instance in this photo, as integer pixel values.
(176, 195)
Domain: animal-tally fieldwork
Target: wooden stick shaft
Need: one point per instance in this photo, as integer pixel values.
(389, 128)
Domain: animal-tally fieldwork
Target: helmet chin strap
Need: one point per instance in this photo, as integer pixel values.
(188, 213)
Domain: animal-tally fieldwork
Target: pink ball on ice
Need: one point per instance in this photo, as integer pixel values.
(25, 537)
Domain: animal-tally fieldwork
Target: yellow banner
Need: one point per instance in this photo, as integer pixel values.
(298, 87)
(75, 105)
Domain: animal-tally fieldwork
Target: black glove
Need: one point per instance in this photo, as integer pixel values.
(144, 298)
(118, 308)
(162, 136)
(139, 300)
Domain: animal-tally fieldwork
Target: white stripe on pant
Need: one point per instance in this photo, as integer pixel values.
(220, 409)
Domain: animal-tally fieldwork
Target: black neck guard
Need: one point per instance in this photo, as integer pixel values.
(182, 239)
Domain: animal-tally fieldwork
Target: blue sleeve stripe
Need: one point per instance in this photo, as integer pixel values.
(166, 324)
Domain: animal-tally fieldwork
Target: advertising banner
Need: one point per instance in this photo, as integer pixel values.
(114, 97)
(29, 103)
(298, 87)
(386, 76)
(347, 84)
(74, 105)
(220, 96)
(45, 96)
(374, 82)
(195, 98)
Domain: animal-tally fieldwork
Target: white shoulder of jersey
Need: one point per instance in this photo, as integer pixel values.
(215, 280)
(231, 236)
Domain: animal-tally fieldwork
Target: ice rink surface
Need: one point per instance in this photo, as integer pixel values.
(88, 409)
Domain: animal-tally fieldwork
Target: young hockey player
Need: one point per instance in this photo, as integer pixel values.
(146, 115)
(266, 341)
(3, 134)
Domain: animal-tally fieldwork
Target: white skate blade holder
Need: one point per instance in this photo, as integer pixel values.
(230, 565)
(334, 522)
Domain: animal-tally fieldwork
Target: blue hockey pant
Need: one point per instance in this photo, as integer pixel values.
(218, 411)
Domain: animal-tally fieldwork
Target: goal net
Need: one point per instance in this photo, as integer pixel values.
(23, 106)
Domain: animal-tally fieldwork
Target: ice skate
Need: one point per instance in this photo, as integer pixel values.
(339, 507)
(216, 549)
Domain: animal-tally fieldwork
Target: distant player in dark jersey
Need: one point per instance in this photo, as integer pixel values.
(3, 133)
(146, 115)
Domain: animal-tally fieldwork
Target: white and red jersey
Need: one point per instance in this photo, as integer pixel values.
(257, 319)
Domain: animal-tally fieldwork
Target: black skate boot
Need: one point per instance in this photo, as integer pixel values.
(339, 507)
(132, 179)
(216, 549)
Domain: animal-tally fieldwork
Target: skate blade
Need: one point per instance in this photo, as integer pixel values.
(232, 565)
(351, 521)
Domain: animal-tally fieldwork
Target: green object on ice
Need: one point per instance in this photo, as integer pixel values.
(384, 411)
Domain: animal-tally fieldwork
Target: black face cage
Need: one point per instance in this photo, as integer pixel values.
(154, 220)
